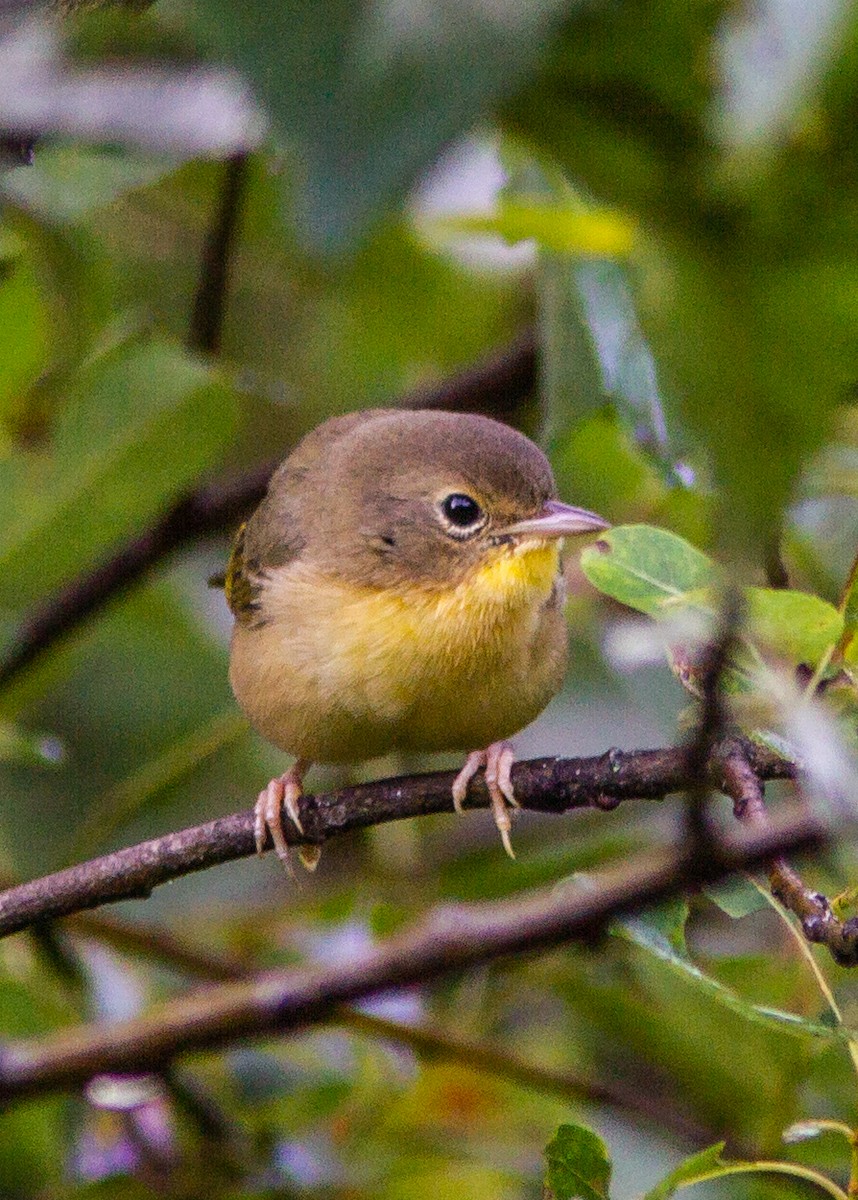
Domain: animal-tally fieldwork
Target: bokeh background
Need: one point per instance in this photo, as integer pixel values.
(661, 199)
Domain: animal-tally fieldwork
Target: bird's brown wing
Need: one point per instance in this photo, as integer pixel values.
(273, 536)
(239, 583)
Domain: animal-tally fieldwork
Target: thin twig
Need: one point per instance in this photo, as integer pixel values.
(453, 939)
(496, 386)
(741, 782)
(207, 316)
(710, 726)
(551, 785)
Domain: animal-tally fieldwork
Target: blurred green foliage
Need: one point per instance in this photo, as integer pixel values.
(667, 193)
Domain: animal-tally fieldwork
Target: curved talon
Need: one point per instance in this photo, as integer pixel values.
(473, 763)
(498, 761)
(282, 792)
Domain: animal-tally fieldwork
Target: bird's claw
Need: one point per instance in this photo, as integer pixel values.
(284, 791)
(498, 760)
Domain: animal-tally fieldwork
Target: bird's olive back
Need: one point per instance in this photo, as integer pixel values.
(388, 498)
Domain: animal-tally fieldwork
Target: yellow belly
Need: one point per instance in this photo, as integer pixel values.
(341, 674)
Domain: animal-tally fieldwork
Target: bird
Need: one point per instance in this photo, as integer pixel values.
(399, 588)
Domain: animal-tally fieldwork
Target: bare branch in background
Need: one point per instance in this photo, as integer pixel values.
(209, 308)
(452, 939)
(429, 1042)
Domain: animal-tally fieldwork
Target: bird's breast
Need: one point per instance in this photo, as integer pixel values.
(339, 672)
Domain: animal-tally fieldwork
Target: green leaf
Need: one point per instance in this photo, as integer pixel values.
(801, 627)
(644, 567)
(657, 935)
(140, 425)
(736, 897)
(370, 101)
(578, 1165)
(23, 333)
(571, 384)
(589, 233)
(849, 608)
(67, 182)
(600, 465)
(709, 1164)
(689, 1171)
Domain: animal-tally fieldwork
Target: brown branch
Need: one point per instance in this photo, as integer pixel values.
(453, 939)
(207, 315)
(496, 386)
(551, 785)
(164, 947)
(819, 924)
(710, 726)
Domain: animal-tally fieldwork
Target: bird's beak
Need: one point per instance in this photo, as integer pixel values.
(559, 520)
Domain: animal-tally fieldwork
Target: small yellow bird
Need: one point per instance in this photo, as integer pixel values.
(399, 588)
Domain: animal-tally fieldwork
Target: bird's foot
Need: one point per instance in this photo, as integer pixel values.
(284, 791)
(497, 760)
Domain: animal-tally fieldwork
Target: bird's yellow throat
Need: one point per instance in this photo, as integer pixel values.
(531, 567)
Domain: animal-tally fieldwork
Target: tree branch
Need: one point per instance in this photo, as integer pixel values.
(206, 328)
(819, 924)
(452, 939)
(162, 946)
(710, 726)
(496, 386)
(552, 785)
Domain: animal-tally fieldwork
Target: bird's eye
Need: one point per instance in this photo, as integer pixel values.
(462, 512)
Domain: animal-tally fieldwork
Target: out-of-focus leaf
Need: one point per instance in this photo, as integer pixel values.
(23, 332)
(688, 1172)
(771, 56)
(140, 425)
(600, 466)
(67, 182)
(370, 95)
(593, 352)
(115, 1187)
(743, 298)
(571, 384)
(652, 938)
(644, 567)
(578, 1165)
(709, 1164)
(799, 626)
(736, 897)
(18, 746)
(586, 233)
(191, 110)
(33, 1147)
(70, 271)
(849, 608)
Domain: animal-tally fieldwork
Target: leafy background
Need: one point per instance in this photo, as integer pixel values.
(667, 192)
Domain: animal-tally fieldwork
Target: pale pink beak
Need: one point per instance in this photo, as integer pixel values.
(559, 520)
